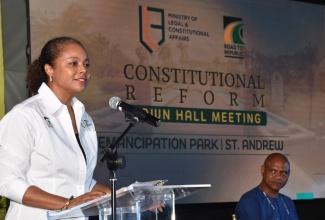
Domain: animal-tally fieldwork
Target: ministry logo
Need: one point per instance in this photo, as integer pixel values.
(151, 27)
(233, 37)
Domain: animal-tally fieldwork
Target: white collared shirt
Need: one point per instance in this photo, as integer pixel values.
(38, 147)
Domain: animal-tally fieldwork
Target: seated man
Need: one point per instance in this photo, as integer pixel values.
(264, 201)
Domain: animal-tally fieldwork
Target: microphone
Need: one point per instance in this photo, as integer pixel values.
(142, 115)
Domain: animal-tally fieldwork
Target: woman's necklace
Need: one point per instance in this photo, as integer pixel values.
(272, 204)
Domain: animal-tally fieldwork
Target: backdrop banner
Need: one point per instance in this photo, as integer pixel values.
(231, 81)
(2, 83)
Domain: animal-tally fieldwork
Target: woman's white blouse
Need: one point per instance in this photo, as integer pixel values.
(38, 147)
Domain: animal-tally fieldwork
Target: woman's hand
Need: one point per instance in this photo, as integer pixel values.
(97, 191)
(85, 198)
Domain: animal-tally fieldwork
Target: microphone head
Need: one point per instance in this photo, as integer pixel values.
(113, 102)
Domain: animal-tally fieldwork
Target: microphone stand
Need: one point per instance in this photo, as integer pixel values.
(115, 161)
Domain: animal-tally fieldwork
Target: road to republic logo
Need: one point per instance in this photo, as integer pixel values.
(234, 46)
(151, 27)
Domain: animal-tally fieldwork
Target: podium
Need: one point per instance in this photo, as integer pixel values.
(135, 202)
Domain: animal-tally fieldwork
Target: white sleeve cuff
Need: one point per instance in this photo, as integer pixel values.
(16, 189)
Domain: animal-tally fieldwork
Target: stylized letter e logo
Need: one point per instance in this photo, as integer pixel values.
(148, 32)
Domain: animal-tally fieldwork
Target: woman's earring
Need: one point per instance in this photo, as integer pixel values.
(51, 78)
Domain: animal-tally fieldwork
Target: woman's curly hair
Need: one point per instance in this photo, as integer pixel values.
(36, 74)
